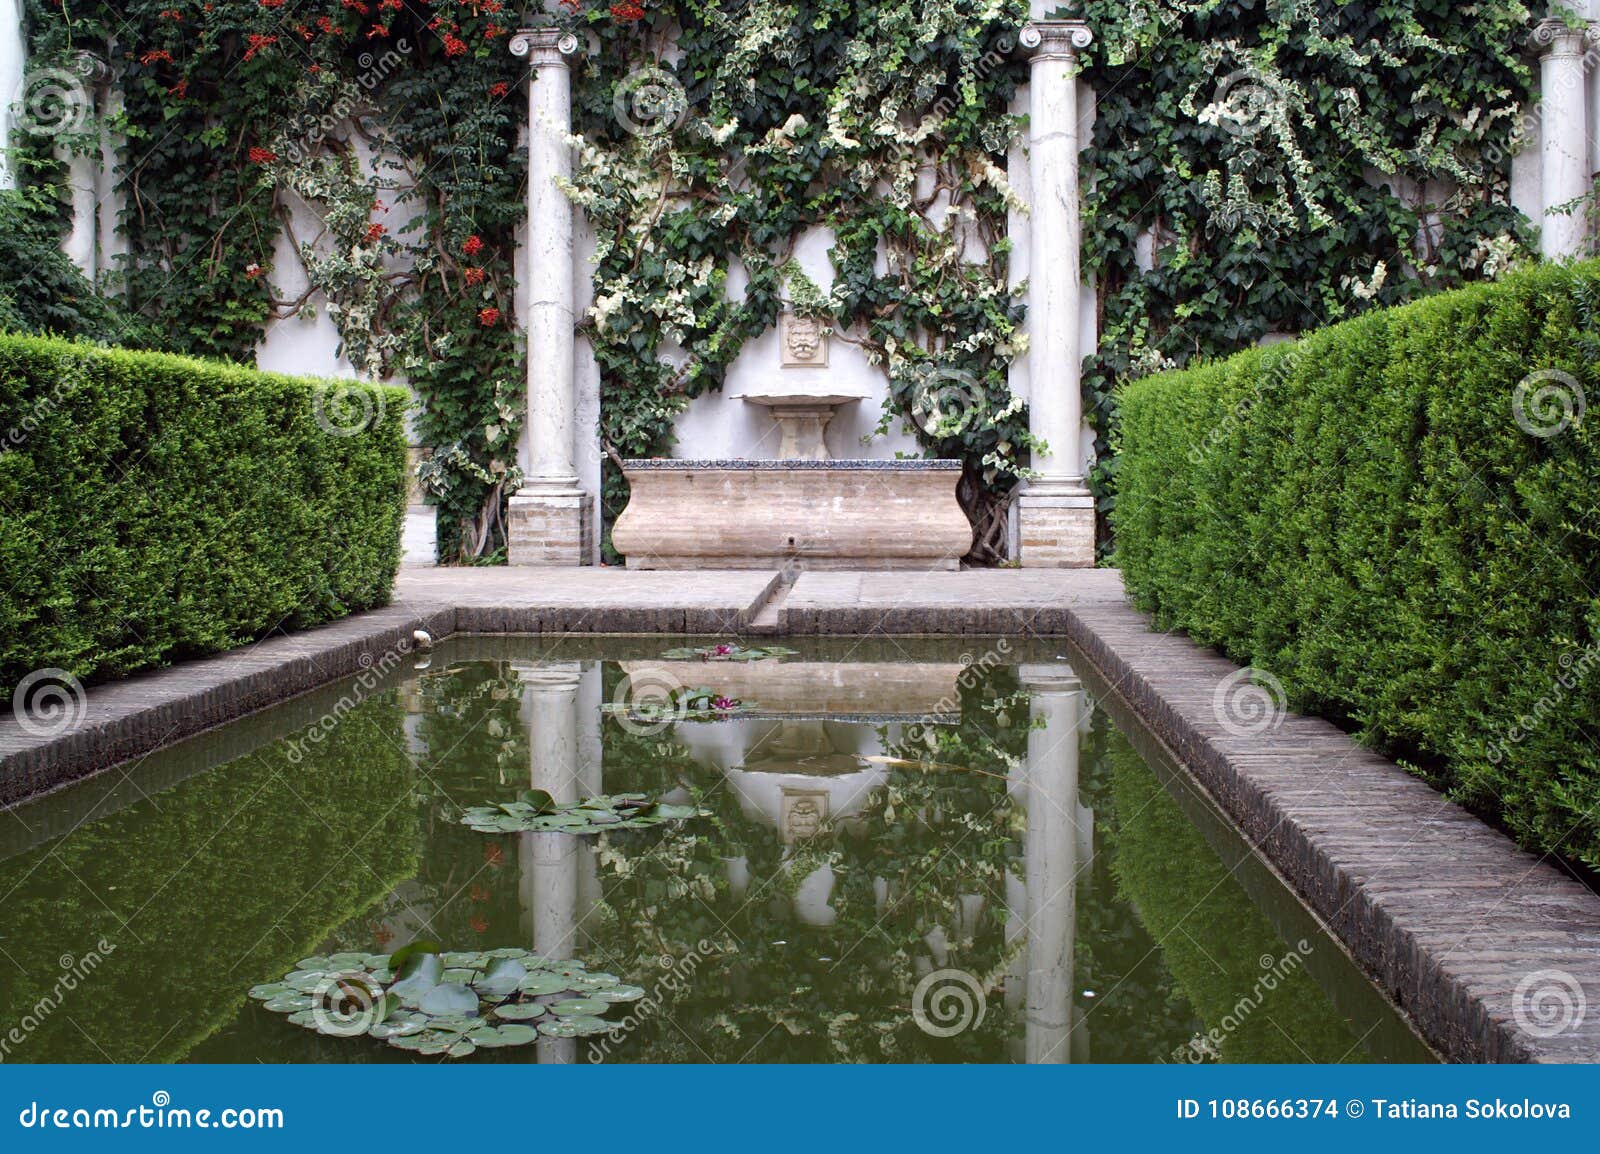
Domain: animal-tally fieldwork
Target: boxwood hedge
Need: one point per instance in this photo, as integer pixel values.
(154, 507)
(1395, 517)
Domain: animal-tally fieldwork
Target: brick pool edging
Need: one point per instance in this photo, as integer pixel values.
(1445, 913)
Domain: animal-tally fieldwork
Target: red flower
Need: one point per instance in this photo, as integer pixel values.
(327, 25)
(257, 42)
(499, 89)
(489, 317)
(180, 89)
(357, 5)
(574, 5)
(174, 14)
(374, 231)
(479, 925)
(626, 12)
(454, 45)
(314, 69)
(262, 156)
(390, 5)
(158, 56)
(492, 31)
(473, 246)
(252, 270)
(377, 30)
(273, 3)
(474, 276)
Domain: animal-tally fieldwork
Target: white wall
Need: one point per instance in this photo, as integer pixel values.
(12, 60)
(723, 425)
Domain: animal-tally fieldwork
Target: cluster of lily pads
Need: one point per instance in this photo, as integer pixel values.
(449, 1003)
(535, 812)
(698, 703)
(728, 651)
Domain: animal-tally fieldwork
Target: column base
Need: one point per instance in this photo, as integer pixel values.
(1057, 529)
(549, 527)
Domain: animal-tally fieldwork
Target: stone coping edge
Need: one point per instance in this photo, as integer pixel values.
(843, 466)
(1442, 911)
(127, 720)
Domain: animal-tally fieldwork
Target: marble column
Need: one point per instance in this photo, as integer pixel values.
(551, 864)
(1565, 51)
(550, 517)
(1056, 849)
(82, 243)
(13, 61)
(1056, 511)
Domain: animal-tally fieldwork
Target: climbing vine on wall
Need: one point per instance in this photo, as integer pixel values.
(712, 133)
(1256, 166)
(378, 138)
(1275, 165)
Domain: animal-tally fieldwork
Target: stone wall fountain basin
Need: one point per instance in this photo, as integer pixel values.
(797, 514)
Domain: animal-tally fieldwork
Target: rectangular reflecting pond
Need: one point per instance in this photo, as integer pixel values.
(857, 851)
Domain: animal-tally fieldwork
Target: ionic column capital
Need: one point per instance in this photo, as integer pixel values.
(545, 46)
(1055, 39)
(1555, 37)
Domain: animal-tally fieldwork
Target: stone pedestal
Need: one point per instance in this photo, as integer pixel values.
(550, 526)
(1056, 512)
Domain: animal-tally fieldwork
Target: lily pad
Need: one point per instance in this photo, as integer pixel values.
(448, 1004)
(728, 651)
(519, 1011)
(591, 815)
(449, 998)
(575, 1007)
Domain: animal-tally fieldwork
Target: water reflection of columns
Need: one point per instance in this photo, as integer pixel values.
(551, 863)
(1057, 847)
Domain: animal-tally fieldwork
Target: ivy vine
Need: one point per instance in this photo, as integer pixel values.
(1266, 166)
(1256, 166)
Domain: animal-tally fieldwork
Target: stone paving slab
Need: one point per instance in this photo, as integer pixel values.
(590, 600)
(1444, 912)
(992, 602)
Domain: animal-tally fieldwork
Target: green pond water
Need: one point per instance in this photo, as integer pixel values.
(908, 852)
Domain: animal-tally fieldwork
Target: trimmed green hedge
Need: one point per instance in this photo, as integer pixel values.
(1365, 515)
(154, 507)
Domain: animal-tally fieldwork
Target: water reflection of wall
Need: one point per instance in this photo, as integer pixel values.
(797, 775)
